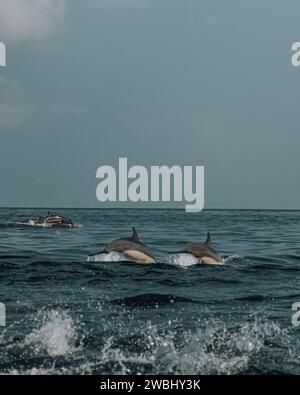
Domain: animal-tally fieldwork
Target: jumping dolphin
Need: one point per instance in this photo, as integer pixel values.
(204, 252)
(55, 221)
(132, 248)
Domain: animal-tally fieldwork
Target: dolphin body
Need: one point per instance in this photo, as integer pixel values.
(54, 220)
(132, 248)
(204, 252)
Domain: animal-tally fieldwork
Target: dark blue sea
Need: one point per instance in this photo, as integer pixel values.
(68, 315)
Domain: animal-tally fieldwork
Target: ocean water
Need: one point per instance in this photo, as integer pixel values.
(68, 315)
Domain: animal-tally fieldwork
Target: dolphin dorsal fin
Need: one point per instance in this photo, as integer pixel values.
(134, 235)
(208, 240)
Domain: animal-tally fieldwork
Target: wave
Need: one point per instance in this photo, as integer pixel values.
(5, 225)
(213, 348)
(44, 263)
(14, 257)
(149, 300)
(232, 258)
(251, 298)
(8, 265)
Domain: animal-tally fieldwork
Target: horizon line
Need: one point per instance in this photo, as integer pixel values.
(143, 208)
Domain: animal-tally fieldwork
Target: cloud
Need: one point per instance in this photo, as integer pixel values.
(61, 110)
(22, 20)
(14, 107)
(13, 115)
(119, 3)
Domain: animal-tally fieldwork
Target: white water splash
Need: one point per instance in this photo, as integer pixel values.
(185, 260)
(219, 350)
(214, 349)
(32, 222)
(56, 335)
(232, 258)
(108, 257)
(182, 259)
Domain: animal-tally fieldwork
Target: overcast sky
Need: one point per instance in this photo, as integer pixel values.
(187, 82)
